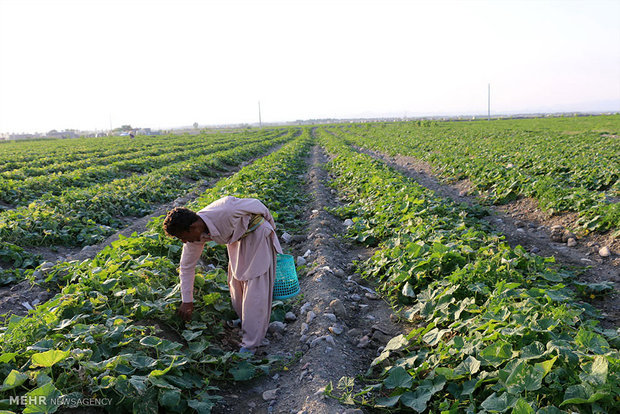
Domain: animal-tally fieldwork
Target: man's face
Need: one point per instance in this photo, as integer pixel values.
(194, 234)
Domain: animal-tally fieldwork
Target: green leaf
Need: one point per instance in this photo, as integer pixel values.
(418, 399)
(151, 341)
(497, 404)
(550, 410)
(524, 377)
(552, 276)
(170, 398)
(468, 367)
(13, 380)
(396, 343)
(433, 336)
(559, 295)
(243, 371)
(408, 290)
(533, 351)
(522, 407)
(109, 284)
(49, 358)
(546, 366)
(190, 335)
(42, 398)
(42, 345)
(161, 383)
(142, 361)
(495, 354)
(595, 372)
(398, 378)
(138, 382)
(581, 394)
(7, 357)
(469, 387)
(592, 341)
(386, 402)
(201, 407)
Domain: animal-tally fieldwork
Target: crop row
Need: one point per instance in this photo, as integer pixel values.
(566, 165)
(112, 331)
(495, 329)
(83, 216)
(104, 151)
(52, 153)
(22, 191)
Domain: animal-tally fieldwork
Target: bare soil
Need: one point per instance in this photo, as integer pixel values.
(319, 354)
(523, 223)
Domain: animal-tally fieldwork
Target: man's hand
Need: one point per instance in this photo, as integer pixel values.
(185, 311)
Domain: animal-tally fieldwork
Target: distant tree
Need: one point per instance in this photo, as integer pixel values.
(126, 128)
(195, 125)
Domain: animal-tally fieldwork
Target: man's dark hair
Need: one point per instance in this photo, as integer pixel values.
(178, 220)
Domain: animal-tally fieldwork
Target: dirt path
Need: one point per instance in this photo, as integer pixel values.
(19, 298)
(524, 224)
(340, 324)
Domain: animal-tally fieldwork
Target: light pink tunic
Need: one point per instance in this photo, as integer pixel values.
(227, 220)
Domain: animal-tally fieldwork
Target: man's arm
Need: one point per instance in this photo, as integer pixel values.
(187, 269)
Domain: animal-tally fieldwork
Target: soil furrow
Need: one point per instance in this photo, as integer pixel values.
(340, 324)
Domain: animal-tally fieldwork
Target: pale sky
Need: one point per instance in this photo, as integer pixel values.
(83, 64)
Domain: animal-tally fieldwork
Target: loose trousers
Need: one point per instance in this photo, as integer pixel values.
(251, 299)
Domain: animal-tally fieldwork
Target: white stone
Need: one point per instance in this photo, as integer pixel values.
(331, 317)
(277, 327)
(364, 341)
(46, 265)
(304, 328)
(307, 253)
(315, 341)
(305, 307)
(604, 252)
(270, 394)
(300, 261)
(286, 237)
(348, 222)
(290, 317)
(571, 242)
(310, 317)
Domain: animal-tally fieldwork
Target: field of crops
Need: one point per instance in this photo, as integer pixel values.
(486, 327)
(566, 164)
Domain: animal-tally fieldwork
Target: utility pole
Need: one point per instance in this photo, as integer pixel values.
(260, 122)
(489, 104)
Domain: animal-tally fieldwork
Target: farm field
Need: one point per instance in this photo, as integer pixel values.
(420, 292)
